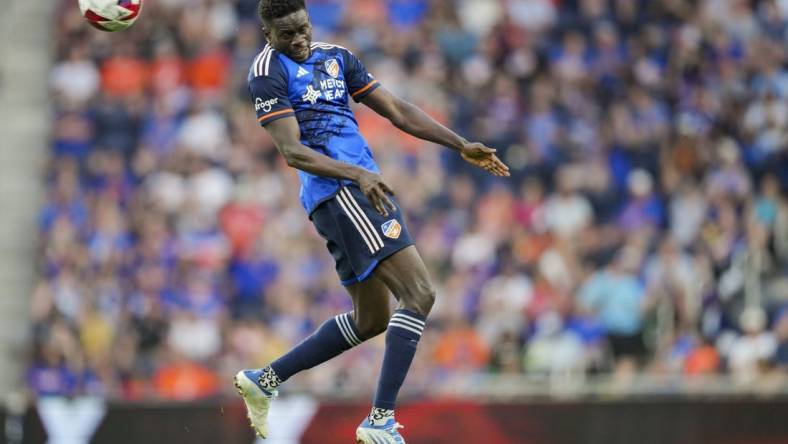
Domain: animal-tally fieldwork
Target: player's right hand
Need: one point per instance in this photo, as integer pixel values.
(376, 190)
(484, 157)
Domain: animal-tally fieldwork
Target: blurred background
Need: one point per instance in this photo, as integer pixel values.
(633, 269)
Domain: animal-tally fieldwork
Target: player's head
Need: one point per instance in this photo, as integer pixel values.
(287, 27)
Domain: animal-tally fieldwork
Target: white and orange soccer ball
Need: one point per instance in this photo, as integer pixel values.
(110, 15)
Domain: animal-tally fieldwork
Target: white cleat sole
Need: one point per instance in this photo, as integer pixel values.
(364, 437)
(257, 403)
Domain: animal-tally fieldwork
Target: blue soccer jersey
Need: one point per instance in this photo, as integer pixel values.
(316, 92)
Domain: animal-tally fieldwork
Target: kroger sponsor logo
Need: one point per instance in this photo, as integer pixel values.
(265, 106)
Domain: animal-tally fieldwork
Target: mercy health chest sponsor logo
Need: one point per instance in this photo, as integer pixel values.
(333, 88)
(259, 104)
(391, 229)
(330, 89)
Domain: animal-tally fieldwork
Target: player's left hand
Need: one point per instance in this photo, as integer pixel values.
(484, 157)
(376, 190)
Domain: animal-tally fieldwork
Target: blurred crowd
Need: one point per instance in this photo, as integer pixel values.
(644, 229)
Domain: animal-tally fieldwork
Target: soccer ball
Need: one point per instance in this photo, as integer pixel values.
(110, 15)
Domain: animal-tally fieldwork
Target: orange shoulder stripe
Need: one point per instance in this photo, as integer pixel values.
(368, 86)
(275, 113)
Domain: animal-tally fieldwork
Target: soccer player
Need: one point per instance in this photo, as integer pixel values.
(301, 90)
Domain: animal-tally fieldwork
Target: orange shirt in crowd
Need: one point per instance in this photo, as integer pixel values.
(461, 348)
(702, 361)
(124, 76)
(209, 71)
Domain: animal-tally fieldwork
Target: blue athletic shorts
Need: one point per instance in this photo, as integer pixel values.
(357, 235)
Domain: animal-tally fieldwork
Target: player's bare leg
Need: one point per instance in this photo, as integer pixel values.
(371, 310)
(406, 276)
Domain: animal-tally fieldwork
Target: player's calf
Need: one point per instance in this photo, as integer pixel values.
(402, 337)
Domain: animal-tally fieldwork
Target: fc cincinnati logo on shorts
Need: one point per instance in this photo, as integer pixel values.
(332, 67)
(391, 228)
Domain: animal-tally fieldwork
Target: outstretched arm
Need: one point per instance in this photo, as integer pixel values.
(414, 121)
(287, 135)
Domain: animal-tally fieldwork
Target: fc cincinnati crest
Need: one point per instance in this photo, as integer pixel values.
(332, 67)
(391, 228)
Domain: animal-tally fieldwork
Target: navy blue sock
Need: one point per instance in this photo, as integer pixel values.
(332, 338)
(402, 337)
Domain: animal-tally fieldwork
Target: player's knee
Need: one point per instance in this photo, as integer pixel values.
(427, 301)
(421, 300)
(371, 326)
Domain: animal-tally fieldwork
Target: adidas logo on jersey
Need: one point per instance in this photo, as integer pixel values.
(301, 72)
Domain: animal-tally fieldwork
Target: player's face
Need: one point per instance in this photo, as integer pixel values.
(291, 35)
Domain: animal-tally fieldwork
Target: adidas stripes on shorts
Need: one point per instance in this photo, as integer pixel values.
(357, 235)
